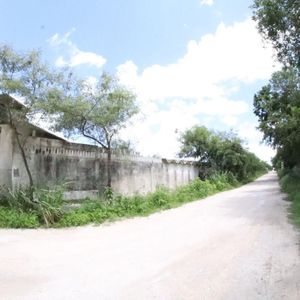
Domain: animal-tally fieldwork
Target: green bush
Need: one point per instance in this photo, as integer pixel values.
(290, 184)
(160, 197)
(10, 218)
(74, 218)
(46, 204)
(49, 204)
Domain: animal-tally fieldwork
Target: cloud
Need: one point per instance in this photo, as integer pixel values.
(249, 133)
(207, 2)
(199, 87)
(232, 53)
(77, 57)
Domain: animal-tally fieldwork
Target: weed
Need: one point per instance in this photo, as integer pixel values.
(46, 205)
(47, 208)
(290, 184)
(10, 218)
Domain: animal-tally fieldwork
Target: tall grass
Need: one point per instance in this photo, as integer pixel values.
(122, 207)
(290, 184)
(18, 211)
(46, 206)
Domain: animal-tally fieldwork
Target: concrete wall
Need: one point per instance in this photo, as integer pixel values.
(84, 167)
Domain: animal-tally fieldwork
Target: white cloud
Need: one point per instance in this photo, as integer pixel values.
(229, 120)
(233, 53)
(248, 132)
(77, 57)
(207, 2)
(197, 88)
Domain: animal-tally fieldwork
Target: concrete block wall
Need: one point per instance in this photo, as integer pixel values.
(84, 167)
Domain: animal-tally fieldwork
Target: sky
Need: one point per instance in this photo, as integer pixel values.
(192, 62)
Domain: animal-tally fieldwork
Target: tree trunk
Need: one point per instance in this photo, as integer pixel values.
(109, 166)
(24, 159)
(14, 127)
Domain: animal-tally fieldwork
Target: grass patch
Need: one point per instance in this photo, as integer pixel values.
(290, 184)
(10, 218)
(17, 211)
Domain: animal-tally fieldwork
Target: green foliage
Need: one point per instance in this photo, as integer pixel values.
(18, 211)
(218, 152)
(74, 106)
(290, 184)
(96, 112)
(25, 76)
(46, 205)
(49, 206)
(99, 211)
(10, 218)
(160, 197)
(279, 22)
(222, 181)
(74, 218)
(277, 106)
(108, 194)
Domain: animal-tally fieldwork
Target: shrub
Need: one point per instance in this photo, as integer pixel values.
(221, 181)
(49, 204)
(290, 184)
(46, 204)
(10, 218)
(160, 197)
(74, 218)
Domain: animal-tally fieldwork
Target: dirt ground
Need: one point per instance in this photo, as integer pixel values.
(234, 245)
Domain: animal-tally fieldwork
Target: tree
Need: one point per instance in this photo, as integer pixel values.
(279, 22)
(277, 106)
(197, 143)
(219, 152)
(25, 76)
(95, 112)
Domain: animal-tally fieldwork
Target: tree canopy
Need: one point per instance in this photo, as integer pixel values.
(23, 76)
(96, 112)
(279, 22)
(219, 152)
(277, 106)
(76, 107)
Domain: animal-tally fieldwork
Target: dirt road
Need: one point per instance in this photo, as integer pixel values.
(234, 245)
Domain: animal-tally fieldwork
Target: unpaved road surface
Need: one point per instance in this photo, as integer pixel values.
(234, 245)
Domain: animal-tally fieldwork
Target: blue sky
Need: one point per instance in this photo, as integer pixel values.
(193, 62)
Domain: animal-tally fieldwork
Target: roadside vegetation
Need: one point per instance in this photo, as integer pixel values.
(17, 211)
(290, 184)
(277, 104)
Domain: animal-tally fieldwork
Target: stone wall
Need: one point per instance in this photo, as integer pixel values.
(83, 167)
